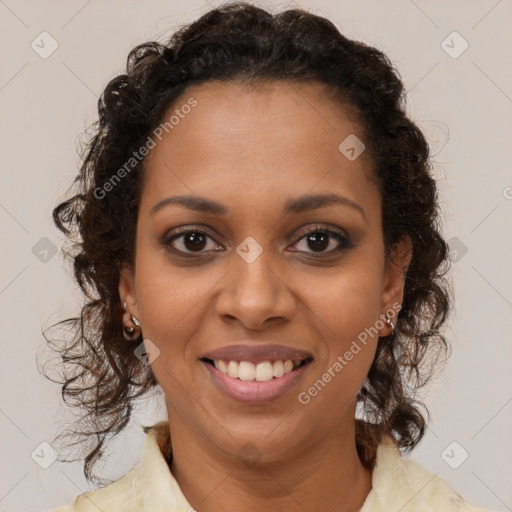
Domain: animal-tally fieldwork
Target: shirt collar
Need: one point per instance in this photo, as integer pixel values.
(159, 488)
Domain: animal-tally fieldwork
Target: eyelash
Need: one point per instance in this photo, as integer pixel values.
(343, 240)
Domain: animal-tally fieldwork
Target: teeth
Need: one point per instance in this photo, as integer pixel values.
(223, 367)
(232, 369)
(278, 369)
(261, 372)
(246, 370)
(264, 371)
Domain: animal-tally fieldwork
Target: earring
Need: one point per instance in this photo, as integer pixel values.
(131, 326)
(389, 322)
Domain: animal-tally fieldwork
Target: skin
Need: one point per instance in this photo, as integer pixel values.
(252, 149)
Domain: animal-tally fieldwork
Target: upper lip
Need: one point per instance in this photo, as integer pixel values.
(257, 353)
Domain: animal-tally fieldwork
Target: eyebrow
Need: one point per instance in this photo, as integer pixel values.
(292, 206)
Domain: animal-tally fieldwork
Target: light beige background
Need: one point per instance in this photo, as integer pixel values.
(463, 104)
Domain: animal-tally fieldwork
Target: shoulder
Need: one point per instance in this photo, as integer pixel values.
(119, 495)
(148, 487)
(399, 483)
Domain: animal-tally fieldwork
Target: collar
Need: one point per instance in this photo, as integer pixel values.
(159, 488)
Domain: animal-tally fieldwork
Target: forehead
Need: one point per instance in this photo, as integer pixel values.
(266, 139)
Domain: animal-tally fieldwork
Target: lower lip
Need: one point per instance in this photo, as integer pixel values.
(254, 392)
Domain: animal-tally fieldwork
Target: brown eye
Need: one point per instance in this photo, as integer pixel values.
(190, 241)
(323, 242)
(194, 241)
(318, 241)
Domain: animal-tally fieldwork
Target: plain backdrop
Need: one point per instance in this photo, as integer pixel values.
(461, 97)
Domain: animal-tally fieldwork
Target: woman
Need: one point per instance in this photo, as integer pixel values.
(260, 239)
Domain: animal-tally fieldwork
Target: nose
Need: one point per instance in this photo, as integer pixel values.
(255, 294)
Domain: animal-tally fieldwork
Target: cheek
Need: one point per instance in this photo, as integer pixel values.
(346, 346)
(347, 301)
(346, 309)
(172, 302)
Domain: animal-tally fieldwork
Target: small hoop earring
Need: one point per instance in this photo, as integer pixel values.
(389, 321)
(131, 326)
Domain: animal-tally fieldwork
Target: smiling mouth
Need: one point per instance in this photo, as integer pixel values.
(258, 372)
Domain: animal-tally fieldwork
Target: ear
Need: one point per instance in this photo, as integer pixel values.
(395, 271)
(127, 289)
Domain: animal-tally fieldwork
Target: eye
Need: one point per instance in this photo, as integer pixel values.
(189, 241)
(324, 241)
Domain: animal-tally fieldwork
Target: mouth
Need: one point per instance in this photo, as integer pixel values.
(256, 382)
(262, 371)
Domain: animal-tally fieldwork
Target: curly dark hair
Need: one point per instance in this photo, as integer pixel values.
(240, 42)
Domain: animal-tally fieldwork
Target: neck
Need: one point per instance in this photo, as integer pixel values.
(326, 476)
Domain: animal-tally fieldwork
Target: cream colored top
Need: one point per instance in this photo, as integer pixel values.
(398, 484)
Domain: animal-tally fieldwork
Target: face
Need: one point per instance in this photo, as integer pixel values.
(263, 265)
